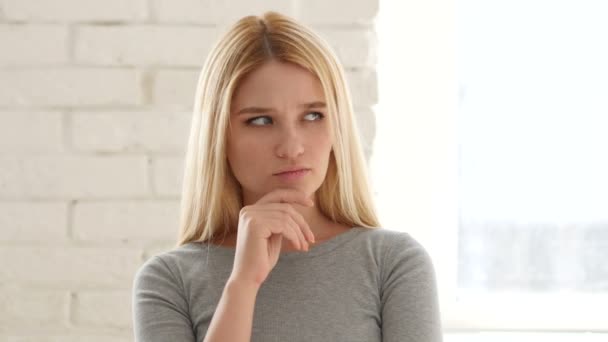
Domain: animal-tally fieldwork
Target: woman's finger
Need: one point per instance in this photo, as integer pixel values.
(281, 226)
(304, 227)
(296, 227)
(307, 234)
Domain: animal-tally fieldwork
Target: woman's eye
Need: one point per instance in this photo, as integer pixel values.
(263, 120)
(258, 119)
(320, 115)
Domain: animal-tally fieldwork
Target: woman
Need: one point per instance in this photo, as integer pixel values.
(279, 240)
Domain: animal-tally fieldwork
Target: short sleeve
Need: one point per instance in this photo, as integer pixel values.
(160, 309)
(410, 307)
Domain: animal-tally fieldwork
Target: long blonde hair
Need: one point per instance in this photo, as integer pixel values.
(211, 196)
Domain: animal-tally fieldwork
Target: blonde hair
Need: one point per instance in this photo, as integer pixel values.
(211, 196)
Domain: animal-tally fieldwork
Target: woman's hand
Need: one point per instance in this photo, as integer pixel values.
(261, 229)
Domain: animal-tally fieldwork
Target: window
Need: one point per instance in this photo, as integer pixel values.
(492, 151)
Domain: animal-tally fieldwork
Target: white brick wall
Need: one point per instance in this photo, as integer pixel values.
(69, 87)
(95, 108)
(142, 45)
(66, 11)
(22, 45)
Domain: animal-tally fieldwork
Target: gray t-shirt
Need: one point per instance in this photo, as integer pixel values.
(362, 285)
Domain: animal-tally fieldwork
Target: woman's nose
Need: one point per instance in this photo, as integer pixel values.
(290, 144)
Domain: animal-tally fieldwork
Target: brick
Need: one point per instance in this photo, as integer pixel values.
(23, 44)
(212, 12)
(131, 131)
(168, 173)
(68, 87)
(175, 88)
(126, 220)
(31, 132)
(187, 11)
(68, 177)
(338, 12)
(354, 47)
(107, 309)
(143, 45)
(363, 87)
(367, 153)
(366, 125)
(26, 308)
(74, 10)
(236, 9)
(69, 267)
(33, 221)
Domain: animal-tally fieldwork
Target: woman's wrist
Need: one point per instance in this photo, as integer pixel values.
(241, 286)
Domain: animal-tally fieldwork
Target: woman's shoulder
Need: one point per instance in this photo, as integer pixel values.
(397, 247)
(172, 261)
(388, 238)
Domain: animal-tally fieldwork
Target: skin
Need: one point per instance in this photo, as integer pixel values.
(285, 134)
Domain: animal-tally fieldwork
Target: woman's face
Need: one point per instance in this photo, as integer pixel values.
(279, 121)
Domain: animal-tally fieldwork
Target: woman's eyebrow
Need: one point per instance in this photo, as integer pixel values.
(257, 110)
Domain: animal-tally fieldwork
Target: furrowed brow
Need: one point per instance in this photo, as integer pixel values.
(259, 110)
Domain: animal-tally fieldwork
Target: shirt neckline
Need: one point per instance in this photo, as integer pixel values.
(315, 250)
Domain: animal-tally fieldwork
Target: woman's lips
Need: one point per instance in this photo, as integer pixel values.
(293, 175)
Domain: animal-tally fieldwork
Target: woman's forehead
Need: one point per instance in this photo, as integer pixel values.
(278, 86)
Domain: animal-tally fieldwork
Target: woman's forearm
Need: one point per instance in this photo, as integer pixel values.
(233, 317)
